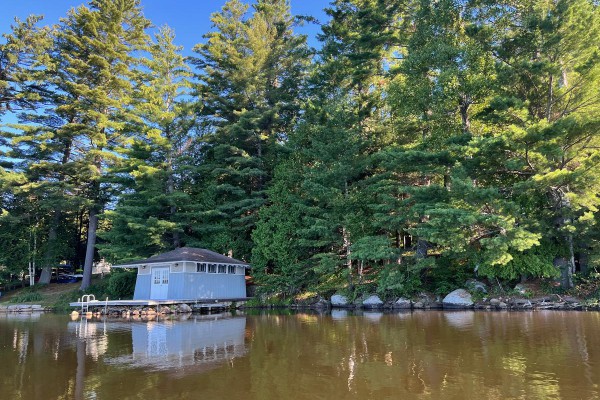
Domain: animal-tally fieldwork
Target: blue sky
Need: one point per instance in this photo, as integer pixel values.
(189, 18)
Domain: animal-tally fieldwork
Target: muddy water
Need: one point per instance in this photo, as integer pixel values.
(421, 355)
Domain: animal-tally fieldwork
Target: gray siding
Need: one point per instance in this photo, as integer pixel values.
(142, 287)
(188, 286)
(206, 286)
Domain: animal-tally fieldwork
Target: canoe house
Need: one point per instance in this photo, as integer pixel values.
(189, 273)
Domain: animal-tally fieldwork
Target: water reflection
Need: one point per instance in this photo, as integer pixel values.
(203, 341)
(347, 354)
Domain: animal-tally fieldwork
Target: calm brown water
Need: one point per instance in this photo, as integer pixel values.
(423, 355)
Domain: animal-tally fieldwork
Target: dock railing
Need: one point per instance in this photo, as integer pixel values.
(85, 302)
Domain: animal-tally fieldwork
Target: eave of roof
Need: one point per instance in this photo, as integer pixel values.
(192, 254)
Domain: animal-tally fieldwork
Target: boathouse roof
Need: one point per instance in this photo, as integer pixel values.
(185, 254)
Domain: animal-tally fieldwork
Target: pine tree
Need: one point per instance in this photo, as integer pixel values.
(252, 70)
(546, 111)
(92, 60)
(312, 232)
(151, 213)
(21, 56)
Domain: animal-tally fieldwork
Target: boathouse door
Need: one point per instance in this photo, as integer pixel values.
(160, 283)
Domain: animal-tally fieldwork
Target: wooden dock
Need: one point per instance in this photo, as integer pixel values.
(149, 303)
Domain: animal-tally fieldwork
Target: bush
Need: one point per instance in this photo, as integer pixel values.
(121, 284)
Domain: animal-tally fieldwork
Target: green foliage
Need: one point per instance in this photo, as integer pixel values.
(28, 295)
(447, 275)
(121, 284)
(401, 280)
(536, 262)
(426, 141)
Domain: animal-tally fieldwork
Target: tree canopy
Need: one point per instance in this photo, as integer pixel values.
(422, 142)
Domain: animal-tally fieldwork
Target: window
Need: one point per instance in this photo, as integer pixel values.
(231, 269)
(222, 268)
(212, 268)
(200, 267)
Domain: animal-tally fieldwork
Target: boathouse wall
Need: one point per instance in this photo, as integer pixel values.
(194, 285)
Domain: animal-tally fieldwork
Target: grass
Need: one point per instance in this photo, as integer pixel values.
(54, 295)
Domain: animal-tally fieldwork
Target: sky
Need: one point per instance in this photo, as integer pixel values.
(189, 18)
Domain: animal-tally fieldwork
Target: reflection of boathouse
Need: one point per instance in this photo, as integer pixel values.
(201, 342)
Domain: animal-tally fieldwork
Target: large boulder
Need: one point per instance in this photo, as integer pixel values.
(338, 300)
(402, 304)
(373, 301)
(184, 308)
(459, 298)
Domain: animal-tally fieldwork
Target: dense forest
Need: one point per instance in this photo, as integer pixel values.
(421, 143)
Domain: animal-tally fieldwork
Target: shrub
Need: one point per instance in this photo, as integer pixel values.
(27, 296)
(121, 284)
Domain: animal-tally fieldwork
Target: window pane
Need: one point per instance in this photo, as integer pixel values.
(231, 269)
(222, 269)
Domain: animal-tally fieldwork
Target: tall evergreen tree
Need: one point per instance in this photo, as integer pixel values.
(151, 214)
(546, 115)
(21, 65)
(92, 61)
(252, 71)
(345, 121)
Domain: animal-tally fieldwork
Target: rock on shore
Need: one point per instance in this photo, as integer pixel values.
(459, 298)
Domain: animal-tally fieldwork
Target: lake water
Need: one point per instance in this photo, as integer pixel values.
(338, 355)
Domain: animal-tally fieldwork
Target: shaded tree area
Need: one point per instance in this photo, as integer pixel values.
(421, 144)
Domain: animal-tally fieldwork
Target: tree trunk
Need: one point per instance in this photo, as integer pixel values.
(89, 251)
(464, 113)
(421, 251)
(566, 264)
(550, 98)
(566, 279)
(582, 257)
(171, 189)
(173, 208)
(50, 256)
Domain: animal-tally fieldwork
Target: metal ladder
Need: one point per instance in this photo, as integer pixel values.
(85, 302)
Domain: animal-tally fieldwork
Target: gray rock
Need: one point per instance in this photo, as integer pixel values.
(502, 305)
(476, 286)
(184, 308)
(521, 302)
(495, 302)
(402, 303)
(372, 301)
(459, 298)
(337, 300)
(522, 288)
(321, 304)
(418, 305)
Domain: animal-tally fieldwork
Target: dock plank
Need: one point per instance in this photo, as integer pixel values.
(102, 303)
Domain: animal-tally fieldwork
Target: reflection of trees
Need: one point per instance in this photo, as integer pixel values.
(430, 354)
(427, 355)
